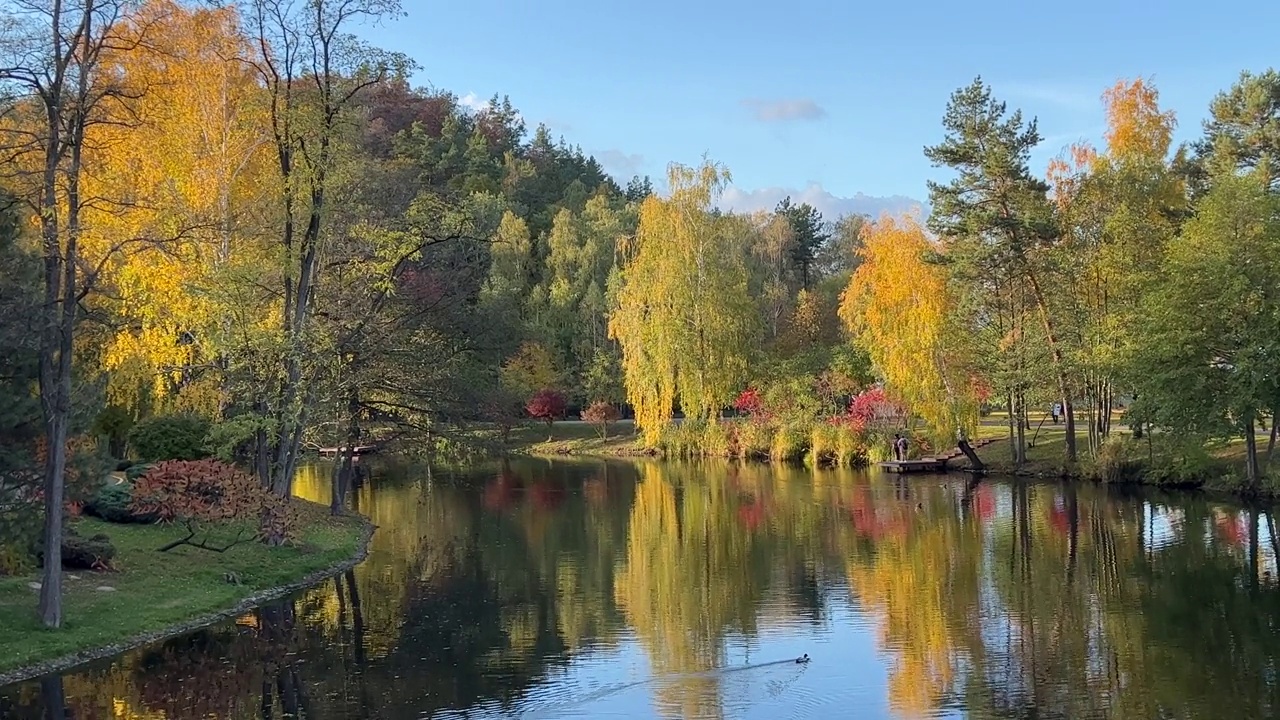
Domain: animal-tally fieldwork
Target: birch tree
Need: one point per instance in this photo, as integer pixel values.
(684, 318)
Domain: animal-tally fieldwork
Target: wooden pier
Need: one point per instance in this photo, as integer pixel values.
(357, 450)
(929, 464)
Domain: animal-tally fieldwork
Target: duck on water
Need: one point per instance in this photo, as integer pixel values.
(802, 659)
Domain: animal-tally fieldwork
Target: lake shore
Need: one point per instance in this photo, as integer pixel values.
(577, 438)
(1220, 471)
(151, 596)
(1046, 452)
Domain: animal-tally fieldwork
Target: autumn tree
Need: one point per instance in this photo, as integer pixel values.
(57, 88)
(312, 69)
(995, 219)
(601, 414)
(899, 307)
(683, 316)
(193, 150)
(202, 495)
(530, 369)
(1117, 210)
(546, 405)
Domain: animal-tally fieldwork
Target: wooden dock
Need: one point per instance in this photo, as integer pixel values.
(929, 464)
(358, 450)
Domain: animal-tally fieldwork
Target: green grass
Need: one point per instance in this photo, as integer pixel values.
(572, 437)
(155, 590)
(1047, 455)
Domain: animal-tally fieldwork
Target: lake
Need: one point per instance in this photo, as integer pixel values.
(585, 589)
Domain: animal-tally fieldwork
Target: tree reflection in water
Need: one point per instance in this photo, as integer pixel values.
(495, 588)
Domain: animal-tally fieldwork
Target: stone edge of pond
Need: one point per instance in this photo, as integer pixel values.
(67, 662)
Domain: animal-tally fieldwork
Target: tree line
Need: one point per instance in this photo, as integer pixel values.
(248, 216)
(1136, 275)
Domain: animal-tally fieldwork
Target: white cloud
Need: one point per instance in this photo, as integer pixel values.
(784, 110)
(473, 102)
(622, 166)
(831, 206)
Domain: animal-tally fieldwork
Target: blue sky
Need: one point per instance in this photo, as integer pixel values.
(830, 102)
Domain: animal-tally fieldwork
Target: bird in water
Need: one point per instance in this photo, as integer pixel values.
(802, 659)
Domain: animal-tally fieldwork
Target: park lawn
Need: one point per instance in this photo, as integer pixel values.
(574, 437)
(1047, 457)
(156, 590)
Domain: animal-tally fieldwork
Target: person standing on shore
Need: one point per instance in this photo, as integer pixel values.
(897, 447)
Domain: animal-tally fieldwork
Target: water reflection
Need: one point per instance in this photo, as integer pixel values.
(580, 589)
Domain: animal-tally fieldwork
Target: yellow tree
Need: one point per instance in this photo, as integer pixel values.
(194, 158)
(683, 316)
(1117, 211)
(898, 306)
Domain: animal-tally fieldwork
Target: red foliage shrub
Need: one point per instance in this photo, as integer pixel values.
(870, 405)
(750, 403)
(600, 414)
(546, 404)
(202, 493)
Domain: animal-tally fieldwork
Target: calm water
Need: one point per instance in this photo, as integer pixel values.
(585, 590)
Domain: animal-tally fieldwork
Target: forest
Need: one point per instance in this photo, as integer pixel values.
(240, 233)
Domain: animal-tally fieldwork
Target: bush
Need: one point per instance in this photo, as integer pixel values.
(754, 440)
(1179, 462)
(137, 471)
(681, 439)
(1116, 461)
(790, 444)
(232, 439)
(851, 447)
(548, 405)
(716, 440)
(15, 559)
(113, 503)
(600, 414)
(79, 553)
(170, 437)
(822, 444)
(203, 495)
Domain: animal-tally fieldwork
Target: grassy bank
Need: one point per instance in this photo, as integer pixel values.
(1155, 460)
(149, 591)
(574, 437)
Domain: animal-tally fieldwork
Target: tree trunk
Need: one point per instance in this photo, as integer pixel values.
(1059, 365)
(1014, 448)
(1251, 471)
(1095, 437)
(975, 462)
(1020, 447)
(1271, 440)
(342, 471)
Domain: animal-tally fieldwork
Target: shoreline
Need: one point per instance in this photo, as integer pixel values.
(246, 604)
(1207, 486)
